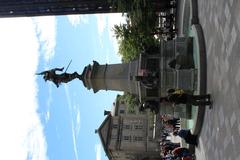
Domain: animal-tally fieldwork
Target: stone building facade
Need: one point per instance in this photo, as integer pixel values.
(127, 136)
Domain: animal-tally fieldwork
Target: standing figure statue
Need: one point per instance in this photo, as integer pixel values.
(57, 79)
(149, 81)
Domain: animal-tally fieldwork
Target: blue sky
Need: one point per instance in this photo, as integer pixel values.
(39, 121)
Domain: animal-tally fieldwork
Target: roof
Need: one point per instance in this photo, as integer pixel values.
(104, 133)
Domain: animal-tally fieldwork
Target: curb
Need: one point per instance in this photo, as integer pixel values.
(180, 16)
(202, 76)
(188, 17)
(190, 14)
(194, 11)
(202, 61)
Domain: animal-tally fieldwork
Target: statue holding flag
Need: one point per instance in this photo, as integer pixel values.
(57, 79)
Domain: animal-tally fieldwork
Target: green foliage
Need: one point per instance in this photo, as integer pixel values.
(129, 41)
(131, 102)
(132, 40)
(128, 50)
(136, 35)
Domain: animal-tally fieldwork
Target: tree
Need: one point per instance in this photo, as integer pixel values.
(129, 39)
(133, 40)
(137, 34)
(131, 102)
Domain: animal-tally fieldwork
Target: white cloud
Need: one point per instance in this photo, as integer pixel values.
(101, 23)
(21, 133)
(73, 109)
(46, 29)
(74, 142)
(114, 19)
(68, 96)
(48, 104)
(107, 22)
(98, 148)
(78, 19)
(107, 56)
(49, 100)
(78, 122)
(73, 127)
(47, 116)
(101, 26)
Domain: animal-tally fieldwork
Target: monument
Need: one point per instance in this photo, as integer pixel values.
(153, 67)
(57, 79)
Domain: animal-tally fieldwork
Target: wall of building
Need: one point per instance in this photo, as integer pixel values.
(129, 137)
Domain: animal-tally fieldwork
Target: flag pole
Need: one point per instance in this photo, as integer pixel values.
(68, 66)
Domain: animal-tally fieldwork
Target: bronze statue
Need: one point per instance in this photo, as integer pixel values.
(57, 79)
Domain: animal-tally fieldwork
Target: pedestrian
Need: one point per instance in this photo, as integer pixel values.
(179, 96)
(173, 121)
(187, 136)
(181, 153)
(150, 104)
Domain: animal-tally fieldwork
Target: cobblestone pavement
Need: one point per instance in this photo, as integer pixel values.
(220, 135)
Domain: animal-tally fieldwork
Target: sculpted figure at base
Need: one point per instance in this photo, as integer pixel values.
(57, 79)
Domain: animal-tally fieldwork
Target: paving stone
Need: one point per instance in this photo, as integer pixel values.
(220, 135)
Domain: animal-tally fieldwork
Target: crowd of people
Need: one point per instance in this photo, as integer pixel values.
(172, 127)
(172, 150)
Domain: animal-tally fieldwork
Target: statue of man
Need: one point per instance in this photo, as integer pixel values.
(149, 81)
(57, 79)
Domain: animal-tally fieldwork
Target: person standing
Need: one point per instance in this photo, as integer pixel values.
(178, 96)
(187, 136)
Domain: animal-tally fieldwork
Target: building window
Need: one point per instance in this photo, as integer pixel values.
(150, 138)
(127, 126)
(138, 126)
(114, 137)
(115, 126)
(122, 111)
(127, 138)
(137, 138)
(136, 121)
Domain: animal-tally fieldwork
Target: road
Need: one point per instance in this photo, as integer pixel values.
(220, 135)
